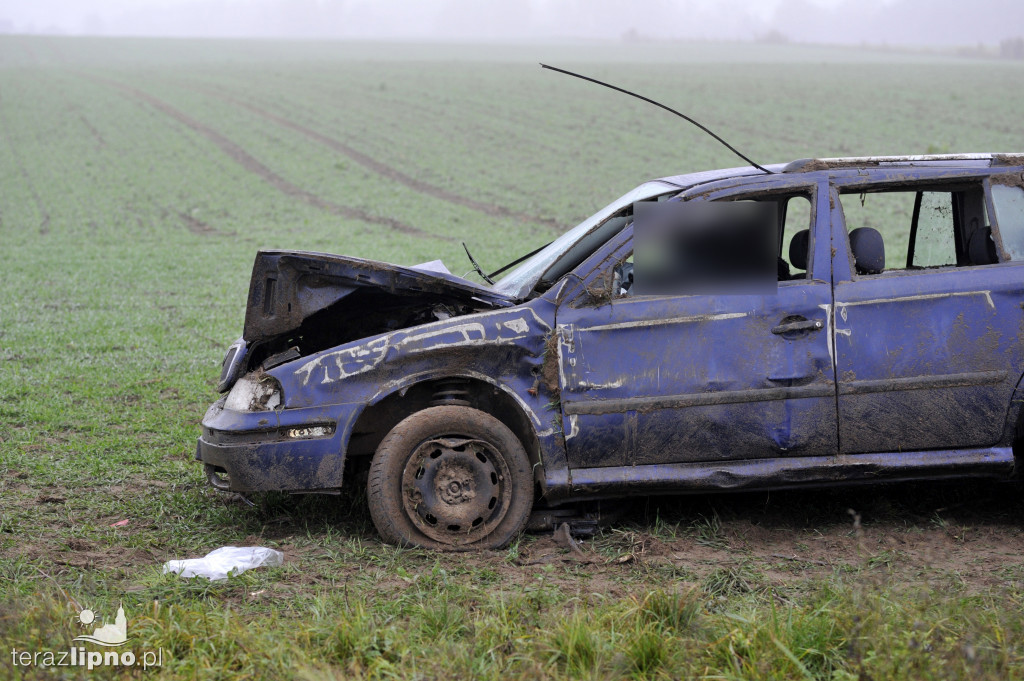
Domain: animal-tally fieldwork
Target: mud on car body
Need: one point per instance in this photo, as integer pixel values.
(890, 346)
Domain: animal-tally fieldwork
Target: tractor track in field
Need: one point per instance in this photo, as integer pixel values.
(97, 136)
(192, 223)
(196, 226)
(382, 169)
(253, 165)
(44, 223)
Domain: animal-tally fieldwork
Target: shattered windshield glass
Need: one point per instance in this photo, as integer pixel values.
(521, 280)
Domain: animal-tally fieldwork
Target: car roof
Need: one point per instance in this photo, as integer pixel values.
(806, 165)
(703, 177)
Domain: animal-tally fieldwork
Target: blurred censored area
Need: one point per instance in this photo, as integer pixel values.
(721, 248)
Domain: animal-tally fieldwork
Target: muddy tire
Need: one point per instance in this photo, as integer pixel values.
(450, 478)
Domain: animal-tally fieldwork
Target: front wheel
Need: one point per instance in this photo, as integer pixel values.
(451, 478)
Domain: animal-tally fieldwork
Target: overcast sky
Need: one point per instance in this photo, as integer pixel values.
(895, 22)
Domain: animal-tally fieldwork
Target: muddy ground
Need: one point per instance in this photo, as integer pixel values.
(963, 536)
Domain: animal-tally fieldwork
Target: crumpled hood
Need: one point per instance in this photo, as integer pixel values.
(289, 287)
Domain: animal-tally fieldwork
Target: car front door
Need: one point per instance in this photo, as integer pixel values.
(656, 379)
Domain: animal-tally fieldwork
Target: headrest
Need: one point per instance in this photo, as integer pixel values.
(982, 248)
(868, 250)
(798, 249)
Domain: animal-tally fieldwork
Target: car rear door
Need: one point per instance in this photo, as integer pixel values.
(928, 353)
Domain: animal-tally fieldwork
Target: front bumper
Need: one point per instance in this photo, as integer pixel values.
(297, 450)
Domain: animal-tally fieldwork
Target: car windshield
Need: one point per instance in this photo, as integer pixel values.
(520, 281)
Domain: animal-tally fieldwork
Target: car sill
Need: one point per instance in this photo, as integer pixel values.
(780, 473)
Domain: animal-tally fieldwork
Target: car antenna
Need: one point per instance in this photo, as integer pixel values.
(476, 265)
(658, 104)
(519, 260)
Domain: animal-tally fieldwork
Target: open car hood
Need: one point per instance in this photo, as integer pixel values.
(289, 289)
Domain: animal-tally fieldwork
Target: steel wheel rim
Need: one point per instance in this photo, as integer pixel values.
(455, 489)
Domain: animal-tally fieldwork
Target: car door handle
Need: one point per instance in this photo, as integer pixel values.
(798, 325)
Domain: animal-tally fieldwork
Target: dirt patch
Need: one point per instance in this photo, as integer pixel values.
(1008, 179)
(963, 537)
(1009, 159)
(80, 553)
(752, 541)
(79, 545)
(105, 560)
(549, 369)
(967, 540)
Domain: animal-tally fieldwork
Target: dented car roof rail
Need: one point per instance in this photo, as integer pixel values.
(811, 164)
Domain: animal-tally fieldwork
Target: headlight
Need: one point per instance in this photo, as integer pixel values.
(309, 432)
(231, 365)
(255, 392)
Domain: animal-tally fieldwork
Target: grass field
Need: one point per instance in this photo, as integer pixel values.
(137, 180)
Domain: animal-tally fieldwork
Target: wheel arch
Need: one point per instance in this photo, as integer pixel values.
(390, 406)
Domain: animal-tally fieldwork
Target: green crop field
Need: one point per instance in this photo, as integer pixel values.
(139, 177)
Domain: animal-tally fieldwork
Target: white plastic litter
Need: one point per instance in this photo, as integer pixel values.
(217, 564)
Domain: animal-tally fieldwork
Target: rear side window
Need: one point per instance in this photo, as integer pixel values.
(919, 228)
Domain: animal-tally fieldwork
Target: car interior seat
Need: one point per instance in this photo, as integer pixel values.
(981, 248)
(798, 250)
(868, 250)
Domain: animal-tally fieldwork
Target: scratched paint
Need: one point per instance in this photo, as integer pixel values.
(343, 364)
(906, 299)
(691, 319)
(339, 365)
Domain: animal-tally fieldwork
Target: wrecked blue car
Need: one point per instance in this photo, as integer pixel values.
(887, 345)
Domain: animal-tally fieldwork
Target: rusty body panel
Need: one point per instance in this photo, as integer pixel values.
(838, 375)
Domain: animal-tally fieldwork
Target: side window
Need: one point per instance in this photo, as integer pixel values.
(740, 245)
(917, 228)
(934, 243)
(796, 257)
(1008, 203)
(885, 214)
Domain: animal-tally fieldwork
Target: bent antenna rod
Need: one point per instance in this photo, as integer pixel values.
(658, 104)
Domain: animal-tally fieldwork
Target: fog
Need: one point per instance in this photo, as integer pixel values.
(940, 23)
